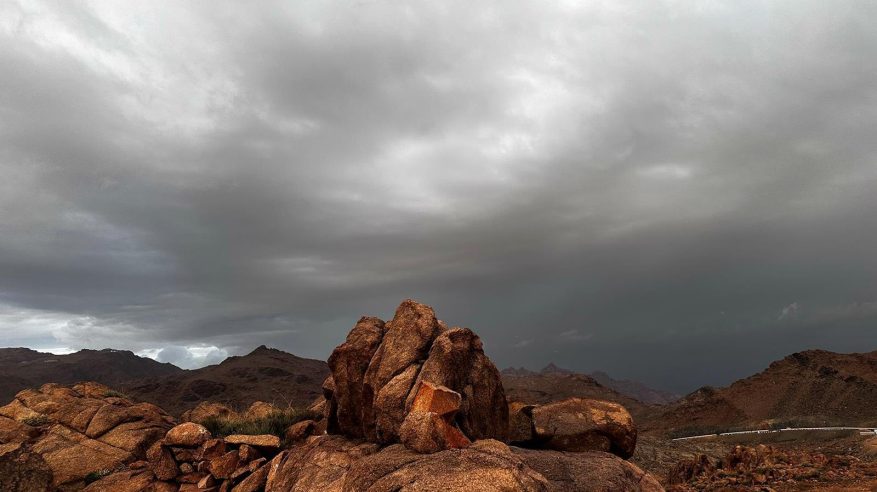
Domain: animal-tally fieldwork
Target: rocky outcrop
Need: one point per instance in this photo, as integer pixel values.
(73, 433)
(339, 464)
(380, 368)
(188, 458)
(575, 424)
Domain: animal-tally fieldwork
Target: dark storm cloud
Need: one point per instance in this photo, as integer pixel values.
(643, 188)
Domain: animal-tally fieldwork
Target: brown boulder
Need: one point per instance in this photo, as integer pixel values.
(407, 339)
(300, 431)
(188, 434)
(255, 481)
(207, 410)
(225, 465)
(161, 462)
(260, 410)
(348, 363)
(521, 422)
(212, 448)
(247, 453)
(578, 424)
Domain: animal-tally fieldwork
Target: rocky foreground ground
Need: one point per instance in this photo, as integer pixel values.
(410, 405)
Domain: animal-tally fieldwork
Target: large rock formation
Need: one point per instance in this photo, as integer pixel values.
(71, 434)
(379, 370)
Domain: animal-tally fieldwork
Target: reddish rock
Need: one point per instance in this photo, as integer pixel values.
(246, 469)
(255, 481)
(161, 462)
(207, 410)
(577, 424)
(207, 482)
(188, 434)
(184, 454)
(300, 431)
(247, 453)
(436, 399)
(212, 448)
(192, 477)
(225, 465)
(260, 410)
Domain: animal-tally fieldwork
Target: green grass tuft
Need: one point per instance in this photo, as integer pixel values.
(96, 475)
(36, 420)
(275, 423)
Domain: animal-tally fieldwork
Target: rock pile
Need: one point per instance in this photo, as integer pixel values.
(188, 459)
(761, 467)
(382, 369)
(57, 438)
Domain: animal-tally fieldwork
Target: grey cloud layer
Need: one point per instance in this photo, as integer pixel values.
(636, 187)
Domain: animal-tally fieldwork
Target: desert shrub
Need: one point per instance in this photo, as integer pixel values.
(274, 423)
(36, 420)
(96, 475)
(116, 394)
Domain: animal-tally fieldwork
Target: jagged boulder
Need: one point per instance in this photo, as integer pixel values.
(72, 432)
(379, 370)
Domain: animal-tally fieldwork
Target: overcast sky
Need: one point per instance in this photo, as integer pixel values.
(674, 192)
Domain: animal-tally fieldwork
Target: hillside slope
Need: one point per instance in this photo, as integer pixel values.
(815, 387)
(264, 374)
(635, 389)
(25, 368)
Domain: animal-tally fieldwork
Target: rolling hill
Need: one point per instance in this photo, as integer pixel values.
(815, 387)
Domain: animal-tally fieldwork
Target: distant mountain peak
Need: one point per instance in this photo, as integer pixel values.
(552, 368)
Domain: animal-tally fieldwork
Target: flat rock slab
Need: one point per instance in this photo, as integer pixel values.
(260, 441)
